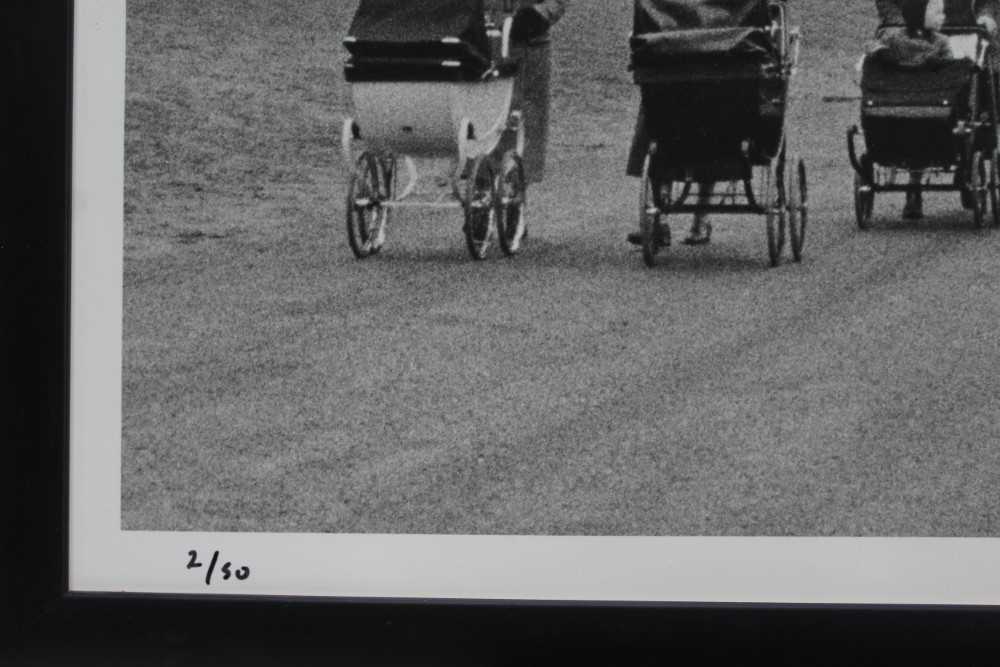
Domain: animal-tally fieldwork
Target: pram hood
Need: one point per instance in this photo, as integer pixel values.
(401, 22)
(425, 40)
(665, 28)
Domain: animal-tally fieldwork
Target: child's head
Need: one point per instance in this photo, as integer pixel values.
(922, 15)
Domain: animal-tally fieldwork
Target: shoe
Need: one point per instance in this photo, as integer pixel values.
(914, 207)
(700, 234)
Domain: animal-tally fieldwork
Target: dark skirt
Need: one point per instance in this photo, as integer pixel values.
(531, 96)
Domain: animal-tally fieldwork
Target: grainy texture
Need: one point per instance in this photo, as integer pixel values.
(274, 383)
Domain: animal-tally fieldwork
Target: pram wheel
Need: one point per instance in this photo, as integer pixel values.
(978, 186)
(481, 204)
(776, 207)
(366, 216)
(864, 196)
(994, 187)
(650, 224)
(511, 223)
(798, 208)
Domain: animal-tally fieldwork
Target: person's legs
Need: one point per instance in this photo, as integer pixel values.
(639, 148)
(636, 158)
(701, 230)
(914, 207)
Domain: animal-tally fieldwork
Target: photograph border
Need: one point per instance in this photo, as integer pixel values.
(53, 622)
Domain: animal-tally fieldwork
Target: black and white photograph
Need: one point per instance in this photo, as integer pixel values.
(577, 269)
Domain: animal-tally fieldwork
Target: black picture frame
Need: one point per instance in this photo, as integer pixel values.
(52, 626)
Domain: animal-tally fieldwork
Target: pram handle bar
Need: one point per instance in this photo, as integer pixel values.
(501, 63)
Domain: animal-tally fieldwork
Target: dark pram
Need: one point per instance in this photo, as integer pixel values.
(940, 120)
(714, 78)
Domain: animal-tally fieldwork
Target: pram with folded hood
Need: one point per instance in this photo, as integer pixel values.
(714, 80)
(938, 120)
(433, 80)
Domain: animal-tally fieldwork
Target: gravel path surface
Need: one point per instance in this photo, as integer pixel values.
(274, 383)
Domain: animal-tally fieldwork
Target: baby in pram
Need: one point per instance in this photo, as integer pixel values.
(921, 44)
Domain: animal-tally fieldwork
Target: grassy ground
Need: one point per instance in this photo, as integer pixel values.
(272, 382)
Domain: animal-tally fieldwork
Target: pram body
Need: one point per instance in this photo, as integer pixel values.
(714, 79)
(433, 80)
(939, 120)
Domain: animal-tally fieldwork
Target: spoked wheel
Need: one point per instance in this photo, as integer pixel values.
(481, 207)
(650, 215)
(864, 196)
(511, 223)
(775, 204)
(978, 187)
(798, 208)
(366, 215)
(994, 188)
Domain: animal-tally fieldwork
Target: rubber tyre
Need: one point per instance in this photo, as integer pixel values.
(511, 222)
(864, 201)
(366, 216)
(994, 185)
(776, 207)
(798, 209)
(481, 205)
(978, 189)
(650, 216)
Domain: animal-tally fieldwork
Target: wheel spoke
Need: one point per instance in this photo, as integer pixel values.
(481, 200)
(365, 213)
(650, 214)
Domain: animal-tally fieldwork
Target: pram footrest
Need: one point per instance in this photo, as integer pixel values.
(928, 112)
(735, 209)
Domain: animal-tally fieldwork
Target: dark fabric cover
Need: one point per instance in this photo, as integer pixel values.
(408, 22)
(910, 143)
(884, 83)
(669, 15)
(686, 30)
(396, 39)
(709, 80)
(703, 41)
(702, 121)
(915, 143)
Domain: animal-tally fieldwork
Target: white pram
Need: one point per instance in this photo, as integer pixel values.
(433, 80)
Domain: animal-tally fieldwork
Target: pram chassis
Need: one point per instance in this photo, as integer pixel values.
(780, 194)
(487, 183)
(976, 172)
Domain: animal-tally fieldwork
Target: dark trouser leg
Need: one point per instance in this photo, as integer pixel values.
(636, 158)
